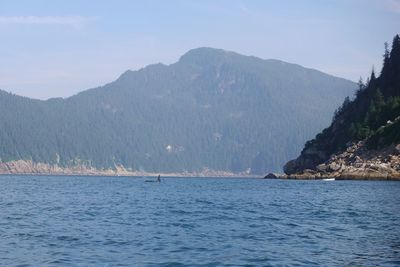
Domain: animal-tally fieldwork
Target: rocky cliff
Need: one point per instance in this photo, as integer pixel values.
(363, 139)
(357, 162)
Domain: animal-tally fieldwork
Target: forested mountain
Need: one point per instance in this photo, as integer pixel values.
(373, 117)
(212, 109)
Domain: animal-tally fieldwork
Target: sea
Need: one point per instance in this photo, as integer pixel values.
(126, 221)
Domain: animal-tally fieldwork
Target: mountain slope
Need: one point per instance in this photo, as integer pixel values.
(212, 109)
(373, 117)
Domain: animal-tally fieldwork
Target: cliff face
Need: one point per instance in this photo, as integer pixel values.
(308, 160)
(364, 136)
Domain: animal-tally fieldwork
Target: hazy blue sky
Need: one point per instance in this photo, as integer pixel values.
(57, 48)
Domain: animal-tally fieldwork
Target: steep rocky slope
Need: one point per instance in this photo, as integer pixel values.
(363, 139)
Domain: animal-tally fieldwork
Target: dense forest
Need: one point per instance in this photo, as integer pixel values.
(373, 115)
(212, 109)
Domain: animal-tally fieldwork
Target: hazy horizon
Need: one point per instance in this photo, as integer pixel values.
(54, 49)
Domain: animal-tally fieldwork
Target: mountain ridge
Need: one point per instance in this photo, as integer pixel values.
(194, 51)
(224, 112)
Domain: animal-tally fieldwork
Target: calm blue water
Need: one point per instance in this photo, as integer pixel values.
(105, 221)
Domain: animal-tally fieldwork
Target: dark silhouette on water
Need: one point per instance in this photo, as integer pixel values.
(158, 180)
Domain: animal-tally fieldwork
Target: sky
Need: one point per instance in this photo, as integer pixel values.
(55, 48)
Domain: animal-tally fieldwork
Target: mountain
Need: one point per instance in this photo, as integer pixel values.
(211, 110)
(363, 138)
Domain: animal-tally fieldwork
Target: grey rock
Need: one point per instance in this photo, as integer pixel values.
(272, 176)
(333, 167)
(290, 167)
(322, 167)
(397, 149)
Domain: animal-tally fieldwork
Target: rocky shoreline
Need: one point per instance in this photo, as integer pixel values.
(28, 167)
(356, 163)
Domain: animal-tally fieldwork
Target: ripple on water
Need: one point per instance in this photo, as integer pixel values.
(111, 221)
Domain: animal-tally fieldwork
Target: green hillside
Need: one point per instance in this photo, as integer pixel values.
(373, 115)
(212, 109)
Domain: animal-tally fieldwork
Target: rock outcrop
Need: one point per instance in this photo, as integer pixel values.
(309, 158)
(363, 139)
(272, 175)
(357, 163)
(29, 167)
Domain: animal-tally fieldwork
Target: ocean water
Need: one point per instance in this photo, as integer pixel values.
(122, 221)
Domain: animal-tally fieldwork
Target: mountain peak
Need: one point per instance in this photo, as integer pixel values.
(205, 55)
(214, 109)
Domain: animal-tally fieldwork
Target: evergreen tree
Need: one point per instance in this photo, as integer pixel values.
(386, 56)
(361, 86)
(379, 99)
(260, 120)
(366, 118)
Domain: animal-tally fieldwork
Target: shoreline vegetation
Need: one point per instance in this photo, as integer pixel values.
(363, 140)
(361, 143)
(212, 109)
(356, 163)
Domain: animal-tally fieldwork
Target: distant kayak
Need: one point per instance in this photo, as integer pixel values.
(329, 179)
(158, 180)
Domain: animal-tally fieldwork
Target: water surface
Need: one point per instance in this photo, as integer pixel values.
(121, 221)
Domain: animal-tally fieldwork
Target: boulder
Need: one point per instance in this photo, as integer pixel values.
(358, 164)
(322, 167)
(333, 167)
(272, 176)
(397, 149)
(290, 167)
